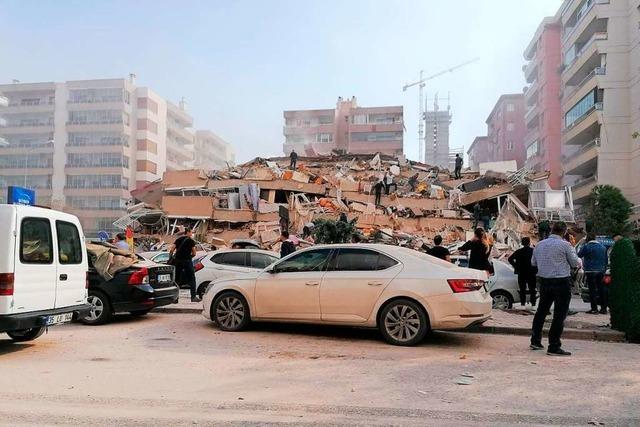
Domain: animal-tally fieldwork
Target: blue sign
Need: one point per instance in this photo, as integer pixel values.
(21, 196)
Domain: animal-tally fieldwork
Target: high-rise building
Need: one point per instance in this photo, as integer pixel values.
(543, 118)
(479, 152)
(436, 138)
(506, 129)
(601, 95)
(83, 145)
(213, 151)
(348, 127)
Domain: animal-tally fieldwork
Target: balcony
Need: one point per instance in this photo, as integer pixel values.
(26, 128)
(43, 107)
(530, 115)
(530, 71)
(582, 189)
(531, 93)
(584, 161)
(588, 56)
(590, 81)
(309, 129)
(181, 132)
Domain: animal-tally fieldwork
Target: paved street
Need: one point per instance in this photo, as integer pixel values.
(178, 369)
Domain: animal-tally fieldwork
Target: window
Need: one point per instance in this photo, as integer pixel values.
(97, 181)
(231, 258)
(35, 241)
(69, 245)
(532, 149)
(362, 260)
(376, 136)
(324, 137)
(161, 258)
(509, 145)
(581, 108)
(97, 138)
(510, 126)
(511, 107)
(314, 260)
(261, 260)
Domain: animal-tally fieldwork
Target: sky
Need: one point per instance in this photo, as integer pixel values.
(240, 63)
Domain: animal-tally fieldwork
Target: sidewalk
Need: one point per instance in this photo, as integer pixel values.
(516, 321)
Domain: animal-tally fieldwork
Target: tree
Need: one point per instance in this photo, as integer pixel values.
(327, 231)
(624, 291)
(608, 211)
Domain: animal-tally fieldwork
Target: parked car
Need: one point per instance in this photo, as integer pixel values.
(161, 257)
(503, 285)
(224, 263)
(43, 270)
(136, 290)
(402, 292)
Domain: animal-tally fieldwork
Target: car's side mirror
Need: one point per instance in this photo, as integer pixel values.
(271, 270)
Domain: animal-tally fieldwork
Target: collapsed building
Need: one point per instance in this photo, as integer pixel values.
(258, 199)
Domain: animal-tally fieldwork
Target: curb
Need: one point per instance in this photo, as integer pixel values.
(574, 334)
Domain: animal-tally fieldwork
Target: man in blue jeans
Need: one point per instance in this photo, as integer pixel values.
(594, 258)
(183, 251)
(554, 257)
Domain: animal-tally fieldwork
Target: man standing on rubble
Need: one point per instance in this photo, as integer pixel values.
(182, 252)
(294, 159)
(521, 262)
(377, 188)
(458, 168)
(554, 257)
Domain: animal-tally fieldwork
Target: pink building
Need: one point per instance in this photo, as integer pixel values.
(543, 118)
(348, 127)
(506, 129)
(479, 152)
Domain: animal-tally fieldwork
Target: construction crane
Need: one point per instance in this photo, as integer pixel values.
(421, 84)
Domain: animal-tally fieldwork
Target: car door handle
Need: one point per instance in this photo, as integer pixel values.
(312, 283)
(375, 283)
(63, 277)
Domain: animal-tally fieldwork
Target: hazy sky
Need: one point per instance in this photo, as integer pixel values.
(240, 63)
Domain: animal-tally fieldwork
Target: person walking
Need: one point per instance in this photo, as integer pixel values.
(182, 252)
(594, 259)
(286, 247)
(438, 250)
(293, 157)
(554, 257)
(458, 167)
(479, 251)
(521, 262)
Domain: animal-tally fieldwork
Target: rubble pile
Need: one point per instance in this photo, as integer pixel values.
(256, 199)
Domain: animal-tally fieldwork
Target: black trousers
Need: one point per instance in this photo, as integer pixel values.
(556, 292)
(378, 196)
(185, 274)
(456, 172)
(527, 280)
(597, 290)
(292, 165)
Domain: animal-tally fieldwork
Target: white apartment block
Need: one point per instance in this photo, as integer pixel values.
(600, 95)
(213, 151)
(83, 145)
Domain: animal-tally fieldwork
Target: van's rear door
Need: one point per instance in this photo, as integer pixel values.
(35, 266)
(7, 257)
(72, 263)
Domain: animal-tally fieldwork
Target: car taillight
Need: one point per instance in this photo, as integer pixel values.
(140, 277)
(465, 285)
(6, 284)
(606, 279)
(199, 266)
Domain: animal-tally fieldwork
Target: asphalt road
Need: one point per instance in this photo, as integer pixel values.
(178, 369)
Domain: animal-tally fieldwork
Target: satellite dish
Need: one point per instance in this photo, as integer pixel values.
(103, 236)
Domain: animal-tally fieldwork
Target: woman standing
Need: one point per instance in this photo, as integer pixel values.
(480, 250)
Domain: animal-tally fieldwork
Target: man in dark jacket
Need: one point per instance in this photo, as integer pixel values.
(182, 251)
(521, 262)
(458, 168)
(294, 159)
(594, 258)
(287, 247)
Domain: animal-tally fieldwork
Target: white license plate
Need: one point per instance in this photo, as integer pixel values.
(164, 277)
(58, 318)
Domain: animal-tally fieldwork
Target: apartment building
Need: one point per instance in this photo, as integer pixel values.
(506, 129)
(479, 152)
(213, 151)
(601, 95)
(83, 145)
(436, 138)
(543, 118)
(348, 127)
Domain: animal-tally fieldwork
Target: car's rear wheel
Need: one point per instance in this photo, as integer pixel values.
(231, 312)
(501, 300)
(101, 311)
(26, 334)
(403, 322)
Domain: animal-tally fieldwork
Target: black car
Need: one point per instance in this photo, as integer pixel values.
(136, 290)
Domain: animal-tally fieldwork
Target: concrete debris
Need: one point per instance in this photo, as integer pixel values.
(415, 203)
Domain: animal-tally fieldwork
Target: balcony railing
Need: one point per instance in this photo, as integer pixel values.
(598, 106)
(598, 71)
(582, 13)
(595, 37)
(531, 112)
(586, 147)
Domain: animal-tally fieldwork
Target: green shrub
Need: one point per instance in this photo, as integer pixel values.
(624, 291)
(328, 231)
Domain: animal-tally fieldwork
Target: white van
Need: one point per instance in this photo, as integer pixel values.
(43, 270)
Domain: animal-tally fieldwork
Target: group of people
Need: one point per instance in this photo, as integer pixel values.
(385, 182)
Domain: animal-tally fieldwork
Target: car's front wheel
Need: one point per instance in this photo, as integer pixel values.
(403, 322)
(231, 312)
(26, 334)
(501, 300)
(101, 311)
